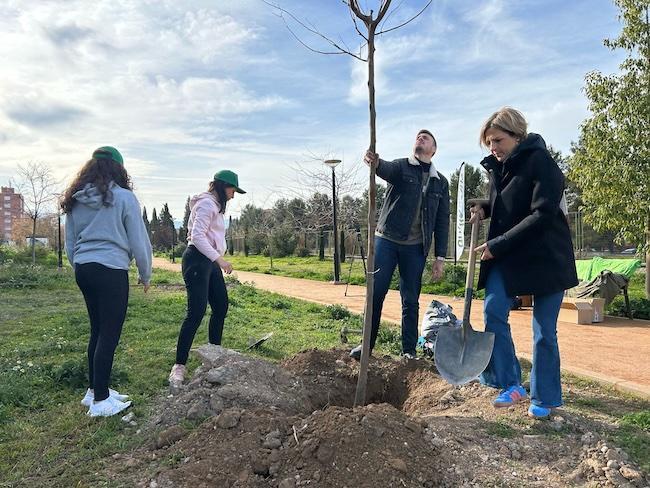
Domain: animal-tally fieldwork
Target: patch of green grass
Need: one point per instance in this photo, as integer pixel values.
(635, 440)
(500, 429)
(639, 420)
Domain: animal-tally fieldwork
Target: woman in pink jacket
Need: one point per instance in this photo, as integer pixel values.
(203, 262)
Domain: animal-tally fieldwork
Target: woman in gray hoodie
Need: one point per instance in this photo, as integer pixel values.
(104, 231)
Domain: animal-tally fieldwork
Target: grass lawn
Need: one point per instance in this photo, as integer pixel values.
(47, 440)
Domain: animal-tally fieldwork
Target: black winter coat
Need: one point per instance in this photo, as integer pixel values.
(529, 234)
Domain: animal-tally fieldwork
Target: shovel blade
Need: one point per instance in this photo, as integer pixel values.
(459, 361)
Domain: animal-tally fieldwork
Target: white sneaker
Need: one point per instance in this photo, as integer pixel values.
(177, 374)
(88, 398)
(107, 407)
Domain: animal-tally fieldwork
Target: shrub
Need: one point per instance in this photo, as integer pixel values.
(284, 240)
(337, 312)
(179, 249)
(455, 274)
(390, 338)
(640, 307)
(302, 252)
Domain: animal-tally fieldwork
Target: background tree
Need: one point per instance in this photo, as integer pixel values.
(38, 187)
(380, 195)
(611, 164)
(154, 228)
(145, 219)
(250, 222)
(182, 232)
(476, 185)
(319, 218)
(165, 237)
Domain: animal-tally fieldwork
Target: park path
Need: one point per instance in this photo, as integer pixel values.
(615, 352)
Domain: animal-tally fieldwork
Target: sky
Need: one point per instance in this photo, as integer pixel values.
(185, 89)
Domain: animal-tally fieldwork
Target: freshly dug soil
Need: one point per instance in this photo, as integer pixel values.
(245, 422)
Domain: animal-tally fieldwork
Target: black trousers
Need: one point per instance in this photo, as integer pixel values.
(205, 284)
(106, 292)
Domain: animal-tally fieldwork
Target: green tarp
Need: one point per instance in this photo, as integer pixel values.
(588, 269)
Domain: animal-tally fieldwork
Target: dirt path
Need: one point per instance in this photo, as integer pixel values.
(615, 351)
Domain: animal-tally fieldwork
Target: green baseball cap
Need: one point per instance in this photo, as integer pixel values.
(110, 153)
(230, 178)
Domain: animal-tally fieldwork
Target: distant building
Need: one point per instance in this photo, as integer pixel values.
(12, 208)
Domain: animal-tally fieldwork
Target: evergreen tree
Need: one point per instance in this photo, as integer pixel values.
(145, 219)
(166, 234)
(154, 228)
(182, 232)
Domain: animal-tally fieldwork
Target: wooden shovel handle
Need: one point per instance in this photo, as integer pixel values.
(469, 280)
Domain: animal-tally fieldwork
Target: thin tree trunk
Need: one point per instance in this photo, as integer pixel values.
(647, 257)
(360, 396)
(34, 240)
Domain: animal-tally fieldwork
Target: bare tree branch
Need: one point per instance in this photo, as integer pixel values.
(356, 26)
(339, 49)
(407, 22)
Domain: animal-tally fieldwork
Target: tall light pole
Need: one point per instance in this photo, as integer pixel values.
(332, 163)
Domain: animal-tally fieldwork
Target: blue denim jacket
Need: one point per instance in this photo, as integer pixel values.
(402, 194)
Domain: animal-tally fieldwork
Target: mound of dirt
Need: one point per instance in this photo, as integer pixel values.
(292, 424)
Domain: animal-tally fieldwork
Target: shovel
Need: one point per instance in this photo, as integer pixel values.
(461, 354)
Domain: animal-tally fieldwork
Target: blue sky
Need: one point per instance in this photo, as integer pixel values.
(185, 89)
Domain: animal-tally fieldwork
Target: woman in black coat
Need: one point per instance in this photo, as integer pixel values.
(528, 252)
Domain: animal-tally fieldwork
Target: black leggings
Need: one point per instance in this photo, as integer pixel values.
(106, 292)
(205, 284)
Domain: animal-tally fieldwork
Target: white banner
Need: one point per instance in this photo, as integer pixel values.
(460, 212)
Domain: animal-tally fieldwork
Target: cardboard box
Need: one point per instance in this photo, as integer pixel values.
(598, 309)
(585, 313)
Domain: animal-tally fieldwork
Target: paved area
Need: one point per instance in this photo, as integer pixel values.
(616, 351)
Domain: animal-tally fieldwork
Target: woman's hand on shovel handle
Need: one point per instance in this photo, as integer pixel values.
(485, 251)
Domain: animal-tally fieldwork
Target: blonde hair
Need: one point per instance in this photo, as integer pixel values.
(508, 120)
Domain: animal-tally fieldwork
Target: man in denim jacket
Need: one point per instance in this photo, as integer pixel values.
(415, 213)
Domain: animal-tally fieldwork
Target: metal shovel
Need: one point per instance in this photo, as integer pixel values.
(461, 354)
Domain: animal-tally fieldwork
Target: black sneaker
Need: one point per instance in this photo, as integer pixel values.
(409, 356)
(356, 353)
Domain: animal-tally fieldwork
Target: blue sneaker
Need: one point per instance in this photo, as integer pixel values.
(510, 396)
(538, 412)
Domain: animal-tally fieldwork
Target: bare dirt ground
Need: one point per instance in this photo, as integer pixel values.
(245, 422)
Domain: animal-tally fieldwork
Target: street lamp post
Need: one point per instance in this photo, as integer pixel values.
(59, 243)
(332, 163)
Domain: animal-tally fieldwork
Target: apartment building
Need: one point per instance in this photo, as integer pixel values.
(12, 207)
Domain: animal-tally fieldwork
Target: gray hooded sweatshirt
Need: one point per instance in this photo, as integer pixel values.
(109, 235)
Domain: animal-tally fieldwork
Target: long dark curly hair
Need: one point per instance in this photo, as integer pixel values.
(218, 189)
(98, 171)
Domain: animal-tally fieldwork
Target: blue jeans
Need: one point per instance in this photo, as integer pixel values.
(410, 259)
(504, 370)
